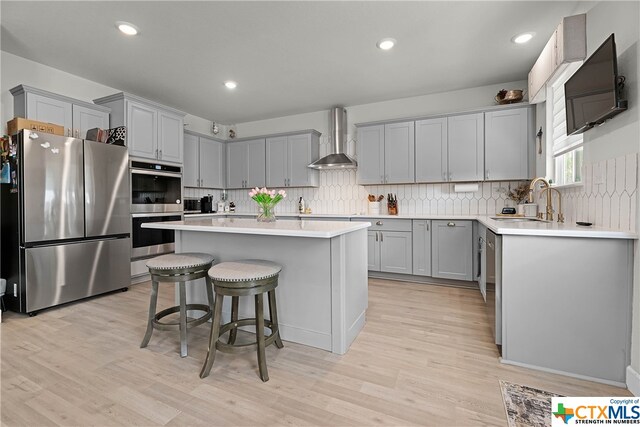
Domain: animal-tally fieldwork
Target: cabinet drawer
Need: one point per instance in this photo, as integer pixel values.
(383, 224)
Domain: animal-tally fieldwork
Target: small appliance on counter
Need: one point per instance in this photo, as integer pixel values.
(232, 207)
(221, 206)
(206, 204)
(191, 206)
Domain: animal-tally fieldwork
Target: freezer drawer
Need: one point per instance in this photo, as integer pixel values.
(64, 273)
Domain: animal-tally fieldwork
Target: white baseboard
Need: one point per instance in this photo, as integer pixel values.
(633, 381)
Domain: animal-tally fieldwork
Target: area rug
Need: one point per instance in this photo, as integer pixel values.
(526, 406)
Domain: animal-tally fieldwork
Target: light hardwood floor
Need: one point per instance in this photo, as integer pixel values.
(425, 357)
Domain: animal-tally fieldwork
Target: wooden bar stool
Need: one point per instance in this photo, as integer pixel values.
(178, 268)
(236, 279)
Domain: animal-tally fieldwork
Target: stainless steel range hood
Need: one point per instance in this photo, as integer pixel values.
(338, 158)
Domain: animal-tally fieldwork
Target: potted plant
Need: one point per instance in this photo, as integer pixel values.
(267, 201)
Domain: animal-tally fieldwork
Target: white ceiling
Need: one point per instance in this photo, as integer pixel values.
(287, 57)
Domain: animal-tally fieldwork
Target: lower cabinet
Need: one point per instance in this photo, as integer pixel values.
(421, 247)
(482, 262)
(389, 247)
(452, 249)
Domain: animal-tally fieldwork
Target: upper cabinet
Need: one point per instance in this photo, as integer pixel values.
(204, 161)
(450, 148)
(465, 147)
(567, 44)
(386, 153)
(246, 163)
(509, 138)
(154, 131)
(76, 116)
(287, 158)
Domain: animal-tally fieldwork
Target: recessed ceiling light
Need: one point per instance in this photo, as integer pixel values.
(127, 28)
(386, 44)
(230, 84)
(522, 38)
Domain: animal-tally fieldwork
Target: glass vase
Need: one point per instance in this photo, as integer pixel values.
(266, 214)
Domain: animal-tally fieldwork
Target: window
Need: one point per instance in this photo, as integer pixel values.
(564, 164)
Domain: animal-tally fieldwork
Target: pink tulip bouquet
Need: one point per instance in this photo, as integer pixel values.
(267, 200)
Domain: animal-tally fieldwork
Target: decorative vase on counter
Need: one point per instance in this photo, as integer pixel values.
(267, 201)
(266, 214)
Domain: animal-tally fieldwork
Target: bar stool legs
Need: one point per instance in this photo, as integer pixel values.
(262, 363)
(273, 316)
(213, 337)
(233, 333)
(152, 312)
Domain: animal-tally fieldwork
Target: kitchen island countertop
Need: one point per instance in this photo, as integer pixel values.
(290, 228)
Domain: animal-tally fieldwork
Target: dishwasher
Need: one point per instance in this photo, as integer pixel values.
(494, 287)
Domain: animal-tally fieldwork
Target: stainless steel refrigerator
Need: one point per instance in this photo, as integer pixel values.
(65, 224)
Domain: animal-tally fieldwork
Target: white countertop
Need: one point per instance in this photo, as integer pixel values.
(528, 228)
(281, 227)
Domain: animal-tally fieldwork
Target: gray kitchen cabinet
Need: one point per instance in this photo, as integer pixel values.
(450, 148)
(421, 240)
(386, 153)
(508, 136)
(204, 161)
(170, 134)
(246, 163)
(370, 152)
(287, 158)
(465, 147)
(482, 264)
(142, 130)
(85, 118)
(399, 152)
(191, 170)
(212, 163)
(396, 252)
(75, 115)
(389, 245)
(373, 251)
(431, 150)
(154, 131)
(452, 249)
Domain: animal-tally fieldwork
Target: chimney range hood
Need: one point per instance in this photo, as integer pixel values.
(337, 159)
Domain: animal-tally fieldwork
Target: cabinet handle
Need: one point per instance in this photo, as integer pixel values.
(381, 237)
(77, 133)
(386, 179)
(376, 236)
(156, 153)
(450, 176)
(427, 226)
(381, 179)
(68, 132)
(451, 224)
(379, 223)
(486, 174)
(444, 176)
(161, 154)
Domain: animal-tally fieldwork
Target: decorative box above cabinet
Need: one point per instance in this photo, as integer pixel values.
(287, 158)
(204, 161)
(154, 131)
(76, 116)
(568, 43)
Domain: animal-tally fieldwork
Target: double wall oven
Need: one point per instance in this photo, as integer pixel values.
(156, 195)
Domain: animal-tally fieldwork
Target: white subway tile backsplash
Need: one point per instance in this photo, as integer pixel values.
(608, 196)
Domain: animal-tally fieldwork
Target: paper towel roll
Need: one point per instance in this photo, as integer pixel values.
(465, 188)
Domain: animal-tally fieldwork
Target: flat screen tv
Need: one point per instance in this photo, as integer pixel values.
(593, 93)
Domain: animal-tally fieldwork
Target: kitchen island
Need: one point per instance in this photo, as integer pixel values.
(322, 292)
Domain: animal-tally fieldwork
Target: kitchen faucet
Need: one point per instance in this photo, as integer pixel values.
(532, 186)
(548, 190)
